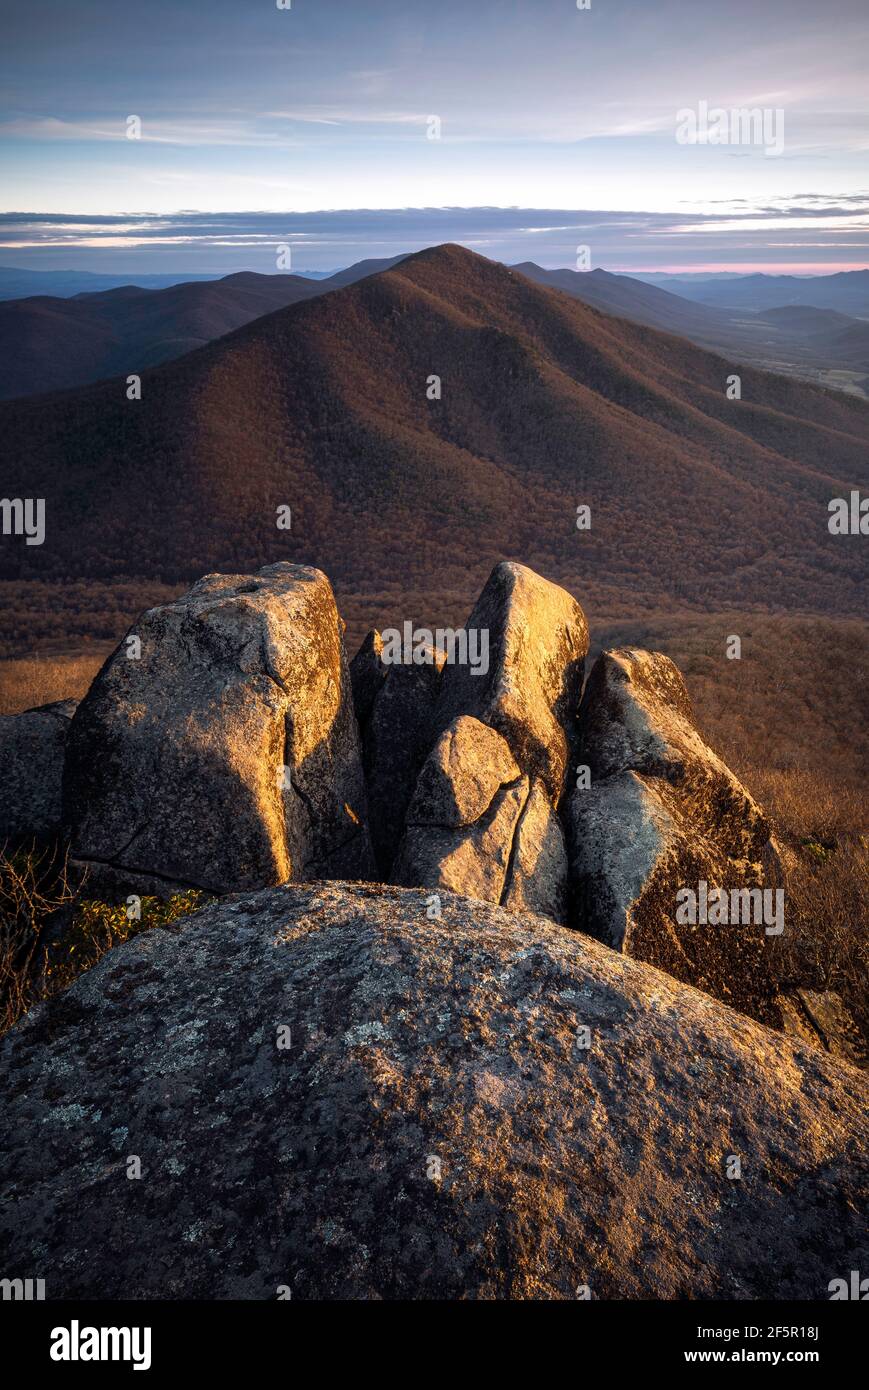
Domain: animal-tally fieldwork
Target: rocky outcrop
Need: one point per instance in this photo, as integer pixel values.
(218, 748)
(463, 816)
(31, 772)
(396, 738)
(537, 643)
(506, 733)
(324, 1091)
(663, 815)
(537, 880)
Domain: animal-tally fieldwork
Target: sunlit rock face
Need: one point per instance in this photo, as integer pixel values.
(227, 746)
(478, 826)
(333, 1092)
(506, 732)
(537, 644)
(218, 748)
(663, 816)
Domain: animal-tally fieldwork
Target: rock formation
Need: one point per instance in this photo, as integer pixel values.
(31, 771)
(663, 814)
(332, 1094)
(217, 748)
(506, 736)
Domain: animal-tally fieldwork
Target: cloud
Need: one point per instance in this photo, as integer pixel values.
(225, 241)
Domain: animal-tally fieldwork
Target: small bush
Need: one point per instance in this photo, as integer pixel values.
(97, 927)
(49, 935)
(34, 890)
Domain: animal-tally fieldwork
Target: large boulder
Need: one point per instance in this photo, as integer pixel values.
(218, 748)
(662, 815)
(329, 1093)
(31, 772)
(506, 729)
(476, 826)
(537, 644)
(537, 879)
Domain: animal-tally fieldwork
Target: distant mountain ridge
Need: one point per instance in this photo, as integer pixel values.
(19, 283)
(792, 338)
(628, 298)
(847, 291)
(51, 344)
(541, 403)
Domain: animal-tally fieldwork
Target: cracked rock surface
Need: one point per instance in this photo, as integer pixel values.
(476, 826)
(226, 755)
(662, 814)
(538, 641)
(435, 1129)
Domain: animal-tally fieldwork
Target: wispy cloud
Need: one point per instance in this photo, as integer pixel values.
(327, 239)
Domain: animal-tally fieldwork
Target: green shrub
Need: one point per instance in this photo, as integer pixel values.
(49, 935)
(98, 927)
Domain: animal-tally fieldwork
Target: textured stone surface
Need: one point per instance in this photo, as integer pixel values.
(538, 876)
(226, 756)
(31, 771)
(822, 1018)
(466, 767)
(475, 826)
(434, 1130)
(664, 813)
(538, 640)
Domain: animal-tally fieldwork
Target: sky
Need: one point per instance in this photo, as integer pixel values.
(525, 129)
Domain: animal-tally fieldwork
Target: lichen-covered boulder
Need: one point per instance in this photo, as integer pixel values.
(318, 1089)
(218, 748)
(664, 817)
(31, 772)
